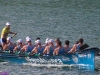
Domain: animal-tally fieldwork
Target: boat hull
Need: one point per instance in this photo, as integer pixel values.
(83, 59)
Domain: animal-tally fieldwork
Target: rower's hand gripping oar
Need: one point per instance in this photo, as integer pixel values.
(14, 35)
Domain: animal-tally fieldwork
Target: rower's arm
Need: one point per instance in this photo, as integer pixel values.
(73, 49)
(12, 32)
(23, 49)
(35, 50)
(45, 50)
(15, 49)
(55, 51)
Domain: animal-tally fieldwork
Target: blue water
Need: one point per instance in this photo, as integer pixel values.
(66, 19)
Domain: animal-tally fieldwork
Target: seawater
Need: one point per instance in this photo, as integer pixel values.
(66, 19)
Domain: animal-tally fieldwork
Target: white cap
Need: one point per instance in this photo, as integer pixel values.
(28, 39)
(9, 38)
(51, 40)
(20, 40)
(38, 41)
(47, 40)
(7, 23)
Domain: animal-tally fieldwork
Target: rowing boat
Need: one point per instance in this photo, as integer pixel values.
(84, 59)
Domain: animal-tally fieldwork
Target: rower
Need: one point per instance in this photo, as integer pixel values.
(67, 47)
(50, 48)
(26, 40)
(59, 49)
(19, 45)
(39, 48)
(77, 46)
(9, 46)
(38, 38)
(28, 47)
(56, 41)
(4, 34)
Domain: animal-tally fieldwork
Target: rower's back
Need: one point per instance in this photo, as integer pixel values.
(66, 47)
(60, 48)
(29, 46)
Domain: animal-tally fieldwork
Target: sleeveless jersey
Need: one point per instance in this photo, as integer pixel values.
(61, 51)
(29, 48)
(40, 50)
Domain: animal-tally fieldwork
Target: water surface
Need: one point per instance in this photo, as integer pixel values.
(66, 19)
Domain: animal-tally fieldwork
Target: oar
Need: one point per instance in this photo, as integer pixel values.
(14, 35)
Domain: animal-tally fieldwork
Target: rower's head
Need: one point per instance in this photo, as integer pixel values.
(28, 40)
(38, 42)
(20, 41)
(51, 41)
(38, 38)
(9, 39)
(59, 43)
(67, 42)
(47, 40)
(8, 25)
(56, 40)
(81, 41)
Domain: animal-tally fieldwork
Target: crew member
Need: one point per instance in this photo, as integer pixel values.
(4, 34)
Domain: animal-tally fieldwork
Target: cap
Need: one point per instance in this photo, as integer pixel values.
(28, 39)
(20, 40)
(9, 38)
(38, 41)
(7, 23)
(51, 40)
(47, 39)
